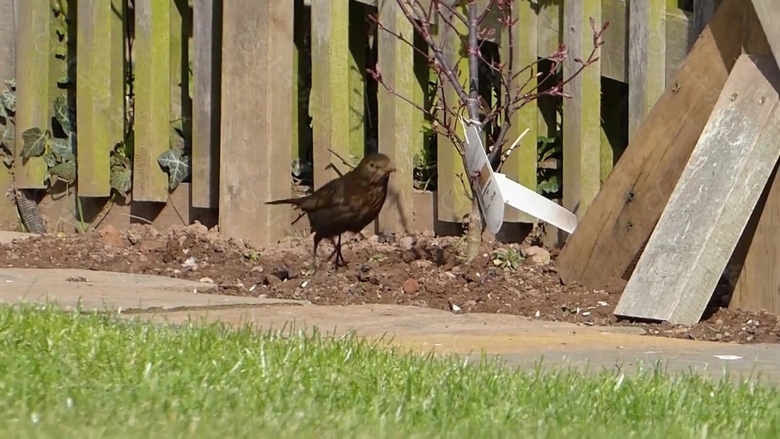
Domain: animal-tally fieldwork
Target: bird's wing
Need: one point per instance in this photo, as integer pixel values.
(340, 194)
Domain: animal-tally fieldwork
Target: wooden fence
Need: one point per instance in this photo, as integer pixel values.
(204, 108)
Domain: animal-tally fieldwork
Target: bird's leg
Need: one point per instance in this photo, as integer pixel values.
(317, 239)
(339, 256)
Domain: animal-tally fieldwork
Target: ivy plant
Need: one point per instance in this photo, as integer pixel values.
(175, 161)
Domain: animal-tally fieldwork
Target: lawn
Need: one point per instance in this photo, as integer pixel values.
(81, 376)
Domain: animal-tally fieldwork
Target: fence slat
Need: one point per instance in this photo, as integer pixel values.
(453, 203)
(152, 98)
(256, 130)
(581, 113)
(207, 19)
(329, 105)
(99, 92)
(396, 117)
(521, 163)
(34, 57)
(7, 72)
(647, 58)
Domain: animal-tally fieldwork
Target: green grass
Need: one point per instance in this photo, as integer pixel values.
(88, 376)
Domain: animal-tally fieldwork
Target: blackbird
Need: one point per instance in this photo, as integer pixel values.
(347, 203)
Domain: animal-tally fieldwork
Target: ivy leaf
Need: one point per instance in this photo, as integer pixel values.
(178, 166)
(8, 99)
(34, 142)
(8, 156)
(121, 179)
(64, 78)
(59, 27)
(50, 159)
(62, 114)
(550, 185)
(61, 51)
(11, 84)
(65, 171)
(62, 149)
(8, 136)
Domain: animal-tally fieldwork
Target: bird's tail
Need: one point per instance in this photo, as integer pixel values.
(293, 201)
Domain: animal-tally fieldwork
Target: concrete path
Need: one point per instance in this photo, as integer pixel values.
(520, 341)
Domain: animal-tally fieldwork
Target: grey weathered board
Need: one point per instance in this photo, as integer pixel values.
(712, 201)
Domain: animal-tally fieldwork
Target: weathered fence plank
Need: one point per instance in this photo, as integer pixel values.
(256, 130)
(152, 98)
(768, 12)
(646, 58)
(100, 92)
(207, 23)
(757, 282)
(7, 72)
(329, 105)
(521, 47)
(712, 201)
(453, 203)
(623, 214)
(34, 58)
(581, 120)
(397, 134)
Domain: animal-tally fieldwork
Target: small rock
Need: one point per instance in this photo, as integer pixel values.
(133, 236)
(271, 279)
(422, 263)
(406, 242)
(536, 255)
(719, 322)
(110, 237)
(257, 269)
(471, 303)
(410, 286)
(198, 228)
(148, 245)
(207, 280)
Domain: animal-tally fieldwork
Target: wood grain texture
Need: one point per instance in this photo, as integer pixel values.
(581, 113)
(152, 98)
(34, 58)
(768, 12)
(646, 58)
(757, 285)
(520, 166)
(207, 23)
(100, 92)
(623, 214)
(256, 127)
(453, 203)
(712, 201)
(329, 106)
(396, 117)
(8, 213)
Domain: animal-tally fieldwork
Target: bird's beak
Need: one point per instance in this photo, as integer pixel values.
(390, 170)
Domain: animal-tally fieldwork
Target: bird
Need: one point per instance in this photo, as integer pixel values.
(345, 204)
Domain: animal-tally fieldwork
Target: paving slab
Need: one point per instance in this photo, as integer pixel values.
(104, 290)
(519, 341)
(7, 236)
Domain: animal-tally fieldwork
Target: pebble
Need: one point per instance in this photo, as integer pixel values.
(410, 286)
(536, 255)
(207, 280)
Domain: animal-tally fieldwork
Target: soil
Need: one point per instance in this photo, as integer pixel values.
(421, 271)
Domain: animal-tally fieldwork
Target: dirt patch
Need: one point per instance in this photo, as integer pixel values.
(423, 271)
